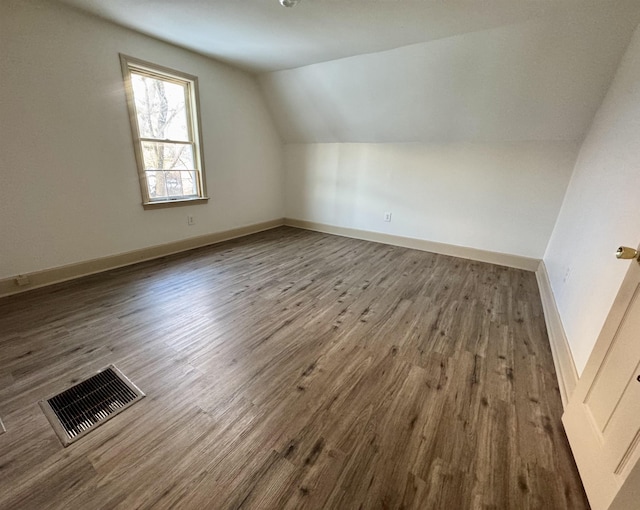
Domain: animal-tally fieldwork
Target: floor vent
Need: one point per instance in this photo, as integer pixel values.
(80, 409)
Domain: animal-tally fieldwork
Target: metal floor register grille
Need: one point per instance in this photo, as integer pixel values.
(80, 409)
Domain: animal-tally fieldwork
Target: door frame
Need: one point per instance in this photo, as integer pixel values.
(604, 489)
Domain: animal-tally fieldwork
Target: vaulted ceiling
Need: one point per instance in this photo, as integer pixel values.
(406, 70)
(538, 80)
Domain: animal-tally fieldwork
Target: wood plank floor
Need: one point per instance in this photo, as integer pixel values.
(291, 369)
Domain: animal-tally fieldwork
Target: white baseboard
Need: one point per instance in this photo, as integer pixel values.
(501, 259)
(562, 357)
(59, 274)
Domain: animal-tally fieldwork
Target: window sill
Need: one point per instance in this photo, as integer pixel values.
(175, 203)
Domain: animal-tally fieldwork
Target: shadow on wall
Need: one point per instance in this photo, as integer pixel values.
(501, 197)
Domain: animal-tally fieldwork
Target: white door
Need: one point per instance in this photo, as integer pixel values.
(602, 418)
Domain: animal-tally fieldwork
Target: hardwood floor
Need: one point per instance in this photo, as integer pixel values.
(291, 369)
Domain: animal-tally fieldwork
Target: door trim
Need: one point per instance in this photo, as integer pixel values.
(605, 489)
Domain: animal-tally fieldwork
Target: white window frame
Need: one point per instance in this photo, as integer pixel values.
(194, 127)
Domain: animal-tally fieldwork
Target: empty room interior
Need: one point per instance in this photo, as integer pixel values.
(323, 254)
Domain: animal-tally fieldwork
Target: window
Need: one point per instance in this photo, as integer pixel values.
(163, 108)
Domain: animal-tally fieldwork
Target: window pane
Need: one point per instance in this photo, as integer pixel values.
(167, 156)
(155, 184)
(189, 184)
(160, 108)
(171, 184)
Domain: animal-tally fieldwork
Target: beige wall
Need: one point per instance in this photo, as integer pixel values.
(599, 213)
(501, 197)
(68, 183)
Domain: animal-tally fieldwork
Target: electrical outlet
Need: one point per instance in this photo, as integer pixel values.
(22, 280)
(191, 220)
(387, 216)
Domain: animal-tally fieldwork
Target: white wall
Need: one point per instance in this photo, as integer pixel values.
(68, 183)
(501, 197)
(600, 212)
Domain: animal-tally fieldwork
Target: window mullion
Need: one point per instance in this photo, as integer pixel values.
(166, 140)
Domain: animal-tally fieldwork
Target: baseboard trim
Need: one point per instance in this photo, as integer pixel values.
(60, 274)
(501, 259)
(562, 357)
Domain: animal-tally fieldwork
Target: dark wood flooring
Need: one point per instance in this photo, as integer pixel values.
(291, 369)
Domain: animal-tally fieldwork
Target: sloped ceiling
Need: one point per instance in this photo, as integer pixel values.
(539, 80)
(406, 70)
(260, 35)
